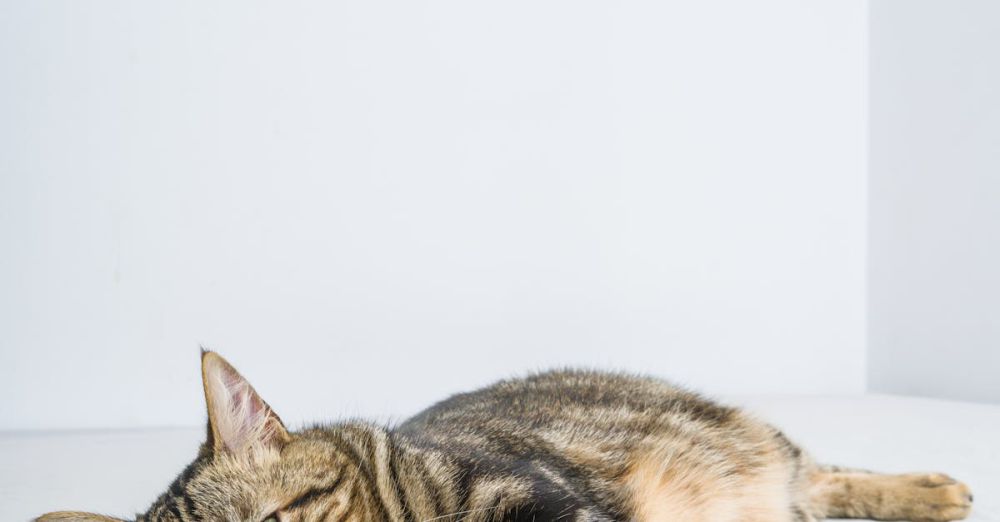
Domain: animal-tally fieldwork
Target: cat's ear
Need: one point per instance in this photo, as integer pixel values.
(75, 516)
(238, 419)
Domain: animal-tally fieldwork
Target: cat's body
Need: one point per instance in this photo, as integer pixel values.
(560, 446)
(597, 446)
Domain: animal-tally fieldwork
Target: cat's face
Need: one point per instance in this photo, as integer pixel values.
(251, 469)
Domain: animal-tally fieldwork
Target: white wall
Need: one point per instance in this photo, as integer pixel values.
(935, 198)
(368, 205)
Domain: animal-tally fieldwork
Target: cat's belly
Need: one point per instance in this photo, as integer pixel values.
(701, 478)
(668, 492)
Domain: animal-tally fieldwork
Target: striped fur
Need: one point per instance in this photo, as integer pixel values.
(559, 446)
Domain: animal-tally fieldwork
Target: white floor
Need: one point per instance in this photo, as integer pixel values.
(120, 472)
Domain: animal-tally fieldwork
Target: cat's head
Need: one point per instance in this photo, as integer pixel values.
(251, 469)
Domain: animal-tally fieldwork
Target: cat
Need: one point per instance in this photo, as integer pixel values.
(567, 446)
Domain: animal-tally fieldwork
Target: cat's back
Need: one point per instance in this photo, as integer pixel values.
(584, 402)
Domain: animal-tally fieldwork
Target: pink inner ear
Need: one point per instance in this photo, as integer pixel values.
(246, 420)
(244, 401)
(240, 419)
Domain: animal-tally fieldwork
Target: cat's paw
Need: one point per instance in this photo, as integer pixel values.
(937, 497)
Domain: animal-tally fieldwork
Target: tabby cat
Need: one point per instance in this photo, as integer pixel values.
(559, 446)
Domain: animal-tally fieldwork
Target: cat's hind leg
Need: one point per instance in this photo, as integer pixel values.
(843, 493)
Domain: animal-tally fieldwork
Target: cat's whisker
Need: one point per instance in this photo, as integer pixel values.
(457, 513)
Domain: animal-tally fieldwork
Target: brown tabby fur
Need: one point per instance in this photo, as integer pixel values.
(565, 445)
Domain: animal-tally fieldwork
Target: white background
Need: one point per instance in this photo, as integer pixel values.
(368, 205)
(935, 198)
